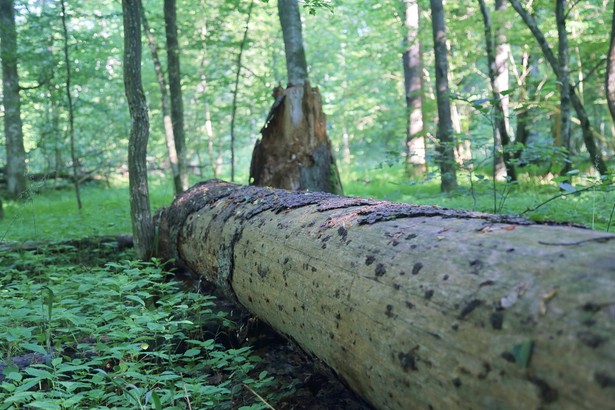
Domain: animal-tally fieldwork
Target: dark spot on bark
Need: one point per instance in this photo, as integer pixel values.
(547, 393)
(402, 273)
(413, 246)
(429, 293)
(445, 277)
(286, 260)
(486, 283)
(591, 307)
(341, 231)
(326, 238)
(456, 382)
(314, 269)
(324, 246)
(380, 270)
(389, 311)
(591, 339)
(604, 380)
(411, 236)
(469, 308)
(338, 316)
(417, 268)
(303, 306)
(311, 224)
(476, 266)
(280, 308)
(395, 242)
(337, 293)
(267, 300)
(407, 360)
(455, 327)
(510, 250)
(396, 286)
(497, 319)
(262, 272)
(331, 336)
(409, 305)
(435, 335)
(508, 356)
(369, 260)
(486, 370)
(250, 299)
(294, 308)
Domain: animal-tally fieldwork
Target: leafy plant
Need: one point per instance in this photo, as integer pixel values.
(122, 336)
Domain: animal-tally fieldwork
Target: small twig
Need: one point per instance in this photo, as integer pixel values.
(269, 406)
(187, 397)
(600, 239)
(610, 218)
(563, 194)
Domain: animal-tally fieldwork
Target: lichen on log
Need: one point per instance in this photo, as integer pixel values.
(413, 306)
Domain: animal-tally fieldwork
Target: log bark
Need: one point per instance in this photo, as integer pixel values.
(415, 307)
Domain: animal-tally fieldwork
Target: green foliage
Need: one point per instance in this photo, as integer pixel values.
(116, 336)
(590, 204)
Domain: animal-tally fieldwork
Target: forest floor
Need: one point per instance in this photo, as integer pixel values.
(45, 343)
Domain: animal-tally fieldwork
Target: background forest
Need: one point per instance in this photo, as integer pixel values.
(354, 51)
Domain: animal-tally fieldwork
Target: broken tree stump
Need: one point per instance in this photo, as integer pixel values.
(415, 307)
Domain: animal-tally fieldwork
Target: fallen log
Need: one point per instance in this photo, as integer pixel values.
(415, 307)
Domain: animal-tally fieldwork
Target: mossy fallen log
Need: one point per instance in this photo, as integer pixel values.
(415, 307)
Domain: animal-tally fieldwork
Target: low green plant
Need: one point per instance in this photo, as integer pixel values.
(118, 336)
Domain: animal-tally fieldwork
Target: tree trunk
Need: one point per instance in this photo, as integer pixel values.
(588, 134)
(142, 227)
(175, 88)
(564, 81)
(610, 70)
(296, 63)
(242, 47)
(167, 122)
(503, 166)
(445, 148)
(415, 307)
(294, 152)
(13, 130)
(71, 111)
(413, 79)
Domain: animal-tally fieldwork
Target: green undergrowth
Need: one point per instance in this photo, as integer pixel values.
(116, 336)
(51, 215)
(588, 201)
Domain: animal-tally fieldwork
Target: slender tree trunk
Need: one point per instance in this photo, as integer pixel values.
(71, 112)
(164, 101)
(588, 135)
(413, 78)
(13, 129)
(610, 70)
(564, 82)
(296, 63)
(142, 226)
(445, 148)
(242, 46)
(177, 104)
(502, 159)
(525, 115)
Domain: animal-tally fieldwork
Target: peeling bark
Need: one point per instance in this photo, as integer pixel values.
(413, 306)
